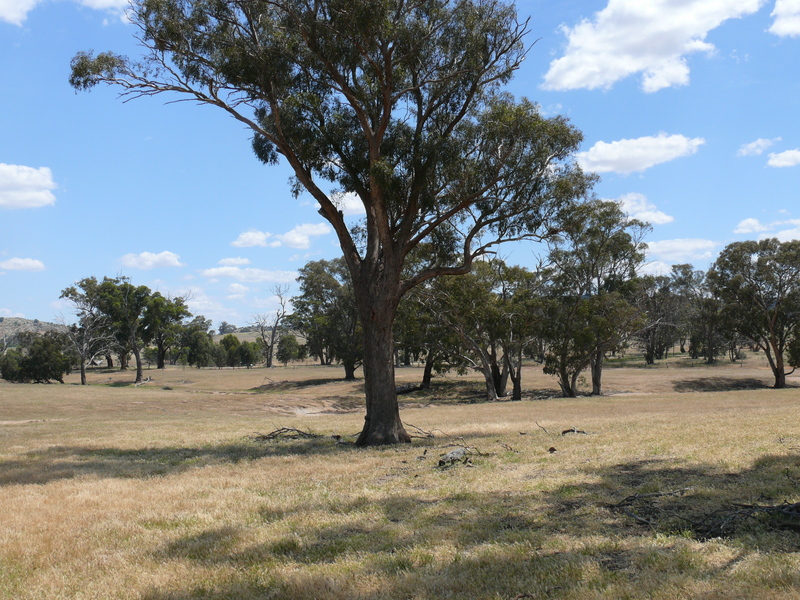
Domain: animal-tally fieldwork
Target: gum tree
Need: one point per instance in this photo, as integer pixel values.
(759, 286)
(398, 102)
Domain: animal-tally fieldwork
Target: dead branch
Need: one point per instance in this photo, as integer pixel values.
(421, 433)
(540, 427)
(282, 433)
(573, 430)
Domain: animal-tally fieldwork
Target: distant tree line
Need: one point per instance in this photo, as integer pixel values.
(585, 301)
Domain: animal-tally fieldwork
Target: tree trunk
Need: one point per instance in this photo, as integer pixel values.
(597, 373)
(382, 424)
(138, 356)
(349, 370)
(160, 355)
(427, 374)
(83, 370)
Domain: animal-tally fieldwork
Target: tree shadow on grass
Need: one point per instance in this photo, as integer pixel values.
(719, 384)
(567, 541)
(67, 462)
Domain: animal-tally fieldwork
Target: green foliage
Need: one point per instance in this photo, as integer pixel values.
(759, 282)
(288, 349)
(37, 359)
(325, 313)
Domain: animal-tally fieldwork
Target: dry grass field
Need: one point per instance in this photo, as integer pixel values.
(162, 491)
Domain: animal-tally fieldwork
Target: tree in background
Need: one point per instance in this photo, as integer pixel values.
(288, 349)
(92, 334)
(703, 323)
(660, 306)
(399, 104)
(161, 323)
(588, 313)
(759, 284)
(326, 315)
(195, 342)
(125, 305)
(38, 358)
(268, 325)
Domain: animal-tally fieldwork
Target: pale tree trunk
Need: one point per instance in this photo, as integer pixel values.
(138, 356)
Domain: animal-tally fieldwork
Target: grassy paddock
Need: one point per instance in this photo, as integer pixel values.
(156, 492)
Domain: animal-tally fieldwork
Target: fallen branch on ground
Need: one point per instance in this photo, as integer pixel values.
(283, 433)
(573, 430)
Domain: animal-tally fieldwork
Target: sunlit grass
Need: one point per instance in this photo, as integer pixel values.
(154, 494)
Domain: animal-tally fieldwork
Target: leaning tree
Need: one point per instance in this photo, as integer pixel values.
(397, 102)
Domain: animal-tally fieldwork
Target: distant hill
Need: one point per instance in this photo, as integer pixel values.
(11, 326)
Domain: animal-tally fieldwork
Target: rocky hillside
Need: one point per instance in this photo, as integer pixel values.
(10, 326)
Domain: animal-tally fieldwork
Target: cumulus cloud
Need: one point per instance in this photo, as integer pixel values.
(349, 203)
(22, 264)
(629, 156)
(250, 275)
(757, 147)
(252, 238)
(630, 36)
(16, 11)
(681, 250)
(637, 206)
(787, 18)
(5, 312)
(148, 260)
(790, 158)
(300, 236)
(786, 235)
(750, 226)
(25, 187)
(234, 262)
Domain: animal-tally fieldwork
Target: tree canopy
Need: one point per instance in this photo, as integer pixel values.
(399, 103)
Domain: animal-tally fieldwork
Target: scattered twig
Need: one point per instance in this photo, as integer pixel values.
(509, 448)
(283, 433)
(422, 433)
(631, 499)
(540, 427)
(573, 430)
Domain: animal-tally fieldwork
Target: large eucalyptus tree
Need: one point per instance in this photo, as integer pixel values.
(399, 102)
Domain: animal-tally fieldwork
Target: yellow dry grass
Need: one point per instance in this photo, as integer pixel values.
(156, 492)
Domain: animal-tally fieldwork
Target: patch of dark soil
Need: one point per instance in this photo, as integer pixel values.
(719, 384)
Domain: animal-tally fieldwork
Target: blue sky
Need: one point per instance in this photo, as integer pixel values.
(690, 111)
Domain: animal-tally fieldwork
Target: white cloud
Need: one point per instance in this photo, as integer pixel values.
(148, 260)
(237, 291)
(634, 36)
(5, 312)
(681, 250)
(250, 275)
(637, 206)
(234, 262)
(655, 267)
(16, 11)
(787, 18)
(757, 147)
(349, 203)
(750, 226)
(790, 158)
(784, 235)
(300, 236)
(251, 238)
(25, 187)
(628, 156)
(22, 264)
